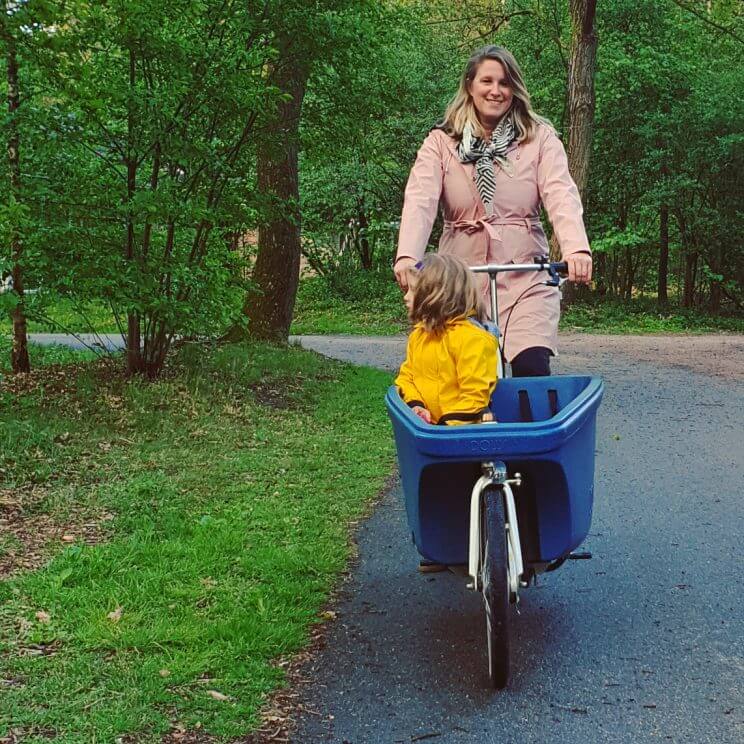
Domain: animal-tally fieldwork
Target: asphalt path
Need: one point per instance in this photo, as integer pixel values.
(92, 341)
(644, 643)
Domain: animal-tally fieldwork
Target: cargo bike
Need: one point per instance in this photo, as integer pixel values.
(506, 500)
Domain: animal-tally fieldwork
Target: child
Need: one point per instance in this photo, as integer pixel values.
(450, 369)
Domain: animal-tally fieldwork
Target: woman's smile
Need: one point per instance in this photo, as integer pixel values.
(491, 92)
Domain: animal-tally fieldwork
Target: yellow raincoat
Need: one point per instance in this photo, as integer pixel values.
(452, 373)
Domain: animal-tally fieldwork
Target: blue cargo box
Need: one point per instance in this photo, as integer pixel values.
(546, 431)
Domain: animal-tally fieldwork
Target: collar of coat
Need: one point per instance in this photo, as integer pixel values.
(452, 143)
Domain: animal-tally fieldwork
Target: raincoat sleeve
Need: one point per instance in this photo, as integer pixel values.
(476, 376)
(421, 200)
(405, 383)
(560, 196)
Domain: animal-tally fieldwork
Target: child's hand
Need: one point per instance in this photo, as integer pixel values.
(487, 417)
(422, 413)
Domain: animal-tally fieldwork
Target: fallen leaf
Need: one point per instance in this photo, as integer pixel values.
(43, 617)
(217, 695)
(115, 616)
(165, 672)
(68, 538)
(328, 615)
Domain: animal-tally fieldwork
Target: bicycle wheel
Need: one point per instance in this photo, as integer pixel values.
(495, 583)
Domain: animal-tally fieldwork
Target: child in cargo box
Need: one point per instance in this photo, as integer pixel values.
(450, 369)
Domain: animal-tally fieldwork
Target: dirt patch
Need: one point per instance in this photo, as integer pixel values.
(273, 394)
(30, 538)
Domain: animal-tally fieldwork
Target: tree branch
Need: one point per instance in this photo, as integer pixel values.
(708, 21)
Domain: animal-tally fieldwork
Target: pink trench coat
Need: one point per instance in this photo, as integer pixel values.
(513, 232)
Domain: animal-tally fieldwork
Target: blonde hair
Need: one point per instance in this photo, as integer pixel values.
(443, 288)
(461, 111)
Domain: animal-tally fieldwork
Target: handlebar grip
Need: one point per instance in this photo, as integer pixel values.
(561, 267)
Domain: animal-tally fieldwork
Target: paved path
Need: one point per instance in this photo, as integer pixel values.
(108, 341)
(645, 643)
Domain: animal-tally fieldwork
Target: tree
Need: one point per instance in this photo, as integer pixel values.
(269, 304)
(155, 105)
(8, 26)
(303, 38)
(580, 98)
(581, 68)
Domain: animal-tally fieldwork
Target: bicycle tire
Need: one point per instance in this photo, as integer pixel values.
(495, 585)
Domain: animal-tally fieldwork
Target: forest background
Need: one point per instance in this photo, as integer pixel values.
(164, 157)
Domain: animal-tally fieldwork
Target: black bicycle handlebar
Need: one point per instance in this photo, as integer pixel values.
(539, 264)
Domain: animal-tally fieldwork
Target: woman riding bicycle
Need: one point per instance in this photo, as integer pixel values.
(492, 163)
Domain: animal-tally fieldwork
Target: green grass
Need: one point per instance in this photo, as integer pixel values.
(43, 356)
(370, 303)
(373, 306)
(64, 316)
(226, 493)
(323, 311)
(643, 316)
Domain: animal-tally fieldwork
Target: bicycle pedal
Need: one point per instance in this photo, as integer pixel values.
(582, 555)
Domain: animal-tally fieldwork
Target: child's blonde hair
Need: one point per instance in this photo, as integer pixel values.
(443, 288)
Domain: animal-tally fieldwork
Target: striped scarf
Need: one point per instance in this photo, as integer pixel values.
(474, 149)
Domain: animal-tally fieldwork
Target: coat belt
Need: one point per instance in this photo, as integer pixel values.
(489, 222)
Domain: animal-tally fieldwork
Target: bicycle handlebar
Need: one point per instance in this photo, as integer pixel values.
(552, 267)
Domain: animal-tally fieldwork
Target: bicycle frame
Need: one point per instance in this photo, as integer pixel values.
(494, 473)
(540, 264)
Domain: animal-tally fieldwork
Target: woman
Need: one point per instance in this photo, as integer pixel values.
(492, 163)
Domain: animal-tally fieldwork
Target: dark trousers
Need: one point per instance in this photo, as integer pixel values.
(532, 362)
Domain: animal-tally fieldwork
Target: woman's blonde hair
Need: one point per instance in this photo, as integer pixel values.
(461, 110)
(443, 288)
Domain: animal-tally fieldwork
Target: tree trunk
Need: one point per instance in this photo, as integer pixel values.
(581, 98)
(19, 354)
(716, 266)
(614, 280)
(365, 251)
(135, 362)
(688, 297)
(630, 269)
(663, 298)
(580, 103)
(691, 260)
(270, 304)
(600, 274)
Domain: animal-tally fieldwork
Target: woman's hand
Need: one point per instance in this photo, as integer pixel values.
(401, 271)
(580, 268)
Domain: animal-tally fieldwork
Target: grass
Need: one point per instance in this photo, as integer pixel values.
(65, 316)
(372, 305)
(644, 316)
(225, 494)
(323, 311)
(43, 356)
